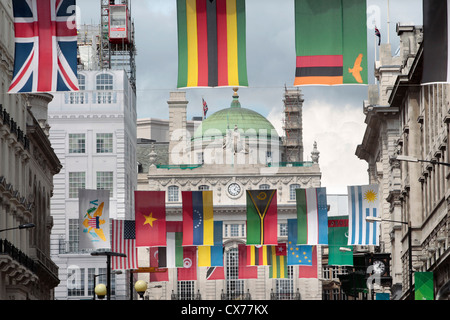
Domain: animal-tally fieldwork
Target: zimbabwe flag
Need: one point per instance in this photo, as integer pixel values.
(211, 43)
(262, 217)
(330, 42)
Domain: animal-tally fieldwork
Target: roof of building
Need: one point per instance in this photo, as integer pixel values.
(248, 122)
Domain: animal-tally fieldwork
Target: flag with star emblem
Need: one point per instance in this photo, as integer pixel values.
(363, 201)
(311, 271)
(312, 216)
(262, 217)
(150, 217)
(198, 218)
(123, 240)
(297, 254)
(278, 266)
(45, 46)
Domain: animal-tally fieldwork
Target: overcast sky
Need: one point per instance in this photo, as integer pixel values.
(332, 116)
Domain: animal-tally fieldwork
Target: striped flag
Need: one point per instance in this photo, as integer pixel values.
(436, 35)
(278, 267)
(212, 256)
(312, 216)
(211, 43)
(198, 218)
(123, 240)
(331, 42)
(337, 239)
(244, 271)
(262, 217)
(174, 249)
(363, 201)
(259, 255)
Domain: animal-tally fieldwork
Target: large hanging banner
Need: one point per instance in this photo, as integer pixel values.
(45, 57)
(211, 43)
(423, 286)
(363, 201)
(94, 231)
(330, 42)
(262, 217)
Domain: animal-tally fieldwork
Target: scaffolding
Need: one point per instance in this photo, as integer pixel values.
(292, 125)
(117, 55)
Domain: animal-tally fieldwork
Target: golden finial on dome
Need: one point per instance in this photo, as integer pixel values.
(235, 94)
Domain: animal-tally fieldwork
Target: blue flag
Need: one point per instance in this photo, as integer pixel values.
(300, 255)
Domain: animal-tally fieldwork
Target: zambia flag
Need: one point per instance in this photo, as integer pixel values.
(211, 43)
(262, 217)
(330, 42)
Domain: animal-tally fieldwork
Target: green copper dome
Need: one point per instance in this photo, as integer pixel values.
(248, 122)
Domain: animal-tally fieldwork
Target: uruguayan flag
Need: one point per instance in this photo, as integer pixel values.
(363, 201)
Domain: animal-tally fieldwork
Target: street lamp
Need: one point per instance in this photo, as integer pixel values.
(102, 274)
(22, 226)
(413, 159)
(100, 290)
(108, 255)
(376, 219)
(141, 287)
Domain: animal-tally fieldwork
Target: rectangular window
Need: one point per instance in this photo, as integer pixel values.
(77, 143)
(77, 180)
(105, 181)
(74, 238)
(173, 194)
(104, 143)
(75, 282)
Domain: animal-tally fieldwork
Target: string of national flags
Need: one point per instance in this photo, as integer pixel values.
(197, 240)
(330, 43)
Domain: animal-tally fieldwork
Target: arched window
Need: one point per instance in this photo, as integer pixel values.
(104, 84)
(173, 193)
(292, 188)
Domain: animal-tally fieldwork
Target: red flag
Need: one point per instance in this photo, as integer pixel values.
(244, 271)
(150, 216)
(189, 270)
(281, 250)
(309, 271)
(215, 273)
(154, 262)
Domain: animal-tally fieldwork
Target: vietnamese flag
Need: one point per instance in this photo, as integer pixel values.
(150, 217)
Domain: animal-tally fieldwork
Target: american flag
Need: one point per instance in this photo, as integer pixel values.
(124, 241)
(45, 46)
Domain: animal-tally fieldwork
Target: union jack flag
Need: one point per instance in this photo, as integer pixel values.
(45, 46)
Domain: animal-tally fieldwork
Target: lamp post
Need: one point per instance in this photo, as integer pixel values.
(108, 255)
(413, 159)
(22, 226)
(375, 219)
(95, 281)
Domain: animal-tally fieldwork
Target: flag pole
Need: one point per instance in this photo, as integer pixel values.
(388, 22)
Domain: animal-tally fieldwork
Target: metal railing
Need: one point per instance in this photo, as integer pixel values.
(7, 248)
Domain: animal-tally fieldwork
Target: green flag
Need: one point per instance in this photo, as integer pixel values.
(424, 287)
(337, 239)
(262, 217)
(331, 42)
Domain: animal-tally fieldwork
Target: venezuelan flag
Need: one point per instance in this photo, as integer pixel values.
(211, 43)
(198, 218)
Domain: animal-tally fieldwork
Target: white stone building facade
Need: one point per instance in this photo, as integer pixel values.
(93, 132)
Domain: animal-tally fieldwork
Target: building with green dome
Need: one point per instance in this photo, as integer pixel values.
(235, 149)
